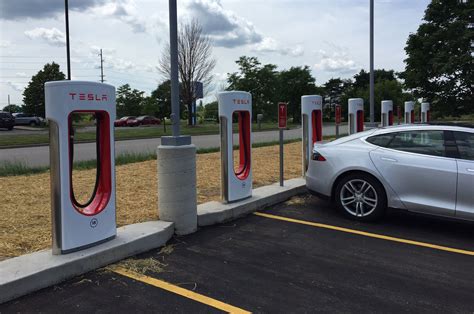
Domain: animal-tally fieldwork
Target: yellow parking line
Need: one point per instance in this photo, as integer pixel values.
(368, 234)
(180, 291)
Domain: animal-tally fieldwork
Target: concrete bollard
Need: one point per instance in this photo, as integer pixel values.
(177, 200)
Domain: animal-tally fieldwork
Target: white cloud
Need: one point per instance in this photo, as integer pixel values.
(52, 36)
(336, 61)
(125, 11)
(271, 45)
(5, 43)
(225, 28)
(21, 74)
(19, 87)
(118, 64)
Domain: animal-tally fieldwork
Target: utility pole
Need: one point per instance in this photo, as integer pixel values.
(101, 67)
(9, 108)
(371, 92)
(66, 13)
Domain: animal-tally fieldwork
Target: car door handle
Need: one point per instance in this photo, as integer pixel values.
(388, 159)
(470, 169)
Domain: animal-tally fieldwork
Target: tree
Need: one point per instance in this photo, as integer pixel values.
(294, 83)
(162, 94)
(195, 62)
(33, 95)
(387, 87)
(383, 90)
(260, 81)
(439, 66)
(129, 101)
(336, 92)
(12, 108)
(211, 111)
(362, 79)
(150, 107)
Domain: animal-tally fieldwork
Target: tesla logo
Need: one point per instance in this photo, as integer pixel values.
(241, 101)
(94, 222)
(88, 96)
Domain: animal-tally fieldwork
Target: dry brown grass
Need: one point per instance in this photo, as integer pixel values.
(25, 222)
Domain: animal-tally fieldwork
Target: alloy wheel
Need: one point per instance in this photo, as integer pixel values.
(358, 197)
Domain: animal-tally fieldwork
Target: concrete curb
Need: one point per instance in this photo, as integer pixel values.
(27, 273)
(215, 212)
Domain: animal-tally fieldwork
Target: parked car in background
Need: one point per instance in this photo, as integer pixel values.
(27, 119)
(424, 168)
(7, 121)
(126, 121)
(148, 120)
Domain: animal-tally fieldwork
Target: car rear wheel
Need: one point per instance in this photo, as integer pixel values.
(33, 123)
(361, 197)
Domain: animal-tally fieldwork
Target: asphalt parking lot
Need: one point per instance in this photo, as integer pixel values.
(299, 256)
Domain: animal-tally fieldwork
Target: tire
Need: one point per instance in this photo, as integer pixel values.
(33, 123)
(10, 128)
(361, 197)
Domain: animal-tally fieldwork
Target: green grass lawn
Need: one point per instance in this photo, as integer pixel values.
(127, 133)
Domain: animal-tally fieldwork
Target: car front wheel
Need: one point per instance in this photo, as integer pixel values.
(361, 197)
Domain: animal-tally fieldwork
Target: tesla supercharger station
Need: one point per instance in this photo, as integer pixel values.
(79, 225)
(236, 183)
(356, 115)
(409, 112)
(387, 112)
(312, 120)
(425, 112)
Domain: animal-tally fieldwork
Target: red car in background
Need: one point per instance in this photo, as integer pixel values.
(126, 121)
(148, 120)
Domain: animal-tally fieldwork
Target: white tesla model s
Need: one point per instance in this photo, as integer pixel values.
(421, 168)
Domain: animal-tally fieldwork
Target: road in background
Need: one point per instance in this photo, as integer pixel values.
(39, 156)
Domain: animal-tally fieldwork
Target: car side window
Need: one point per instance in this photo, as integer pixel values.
(381, 139)
(420, 142)
(465, 144)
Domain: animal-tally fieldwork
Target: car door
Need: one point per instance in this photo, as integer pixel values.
(415, 165)
(465, 162)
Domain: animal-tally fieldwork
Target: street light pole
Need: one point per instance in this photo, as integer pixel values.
(68, 54)
(174, 67)
(372, 62)
(176, 156)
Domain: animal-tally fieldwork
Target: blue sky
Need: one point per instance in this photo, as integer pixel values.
(330, 36)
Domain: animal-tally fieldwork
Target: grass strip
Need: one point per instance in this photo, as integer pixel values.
(18, 168)
(127, 133)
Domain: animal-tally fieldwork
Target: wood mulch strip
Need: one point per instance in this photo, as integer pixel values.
(25, 222)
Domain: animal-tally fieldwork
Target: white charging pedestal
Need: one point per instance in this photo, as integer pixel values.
(409, 112)
(425, 112)
(312, 125)
(75, 225)
(236, 182)
(387, 112)
(355, 115)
